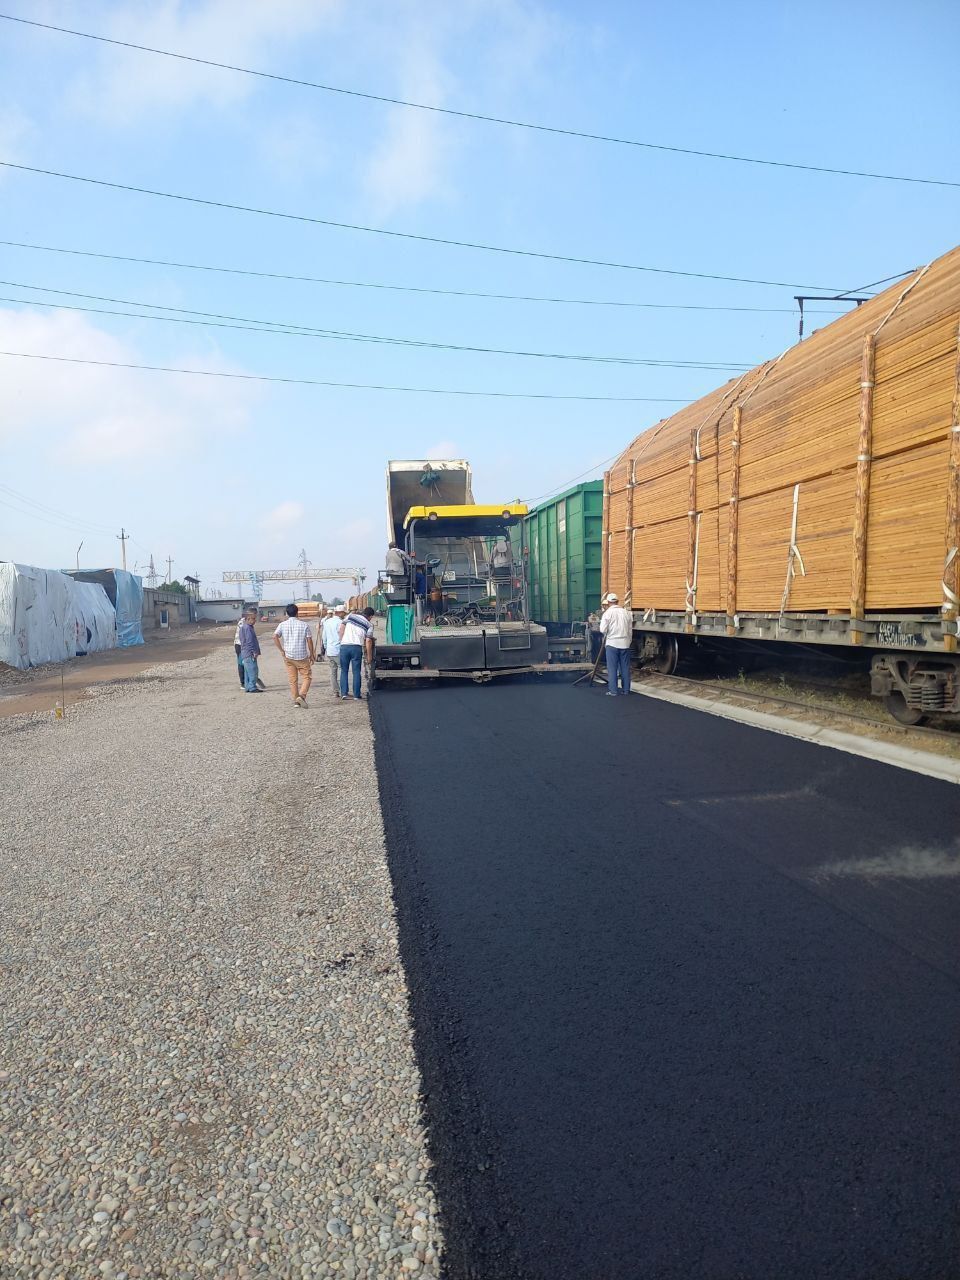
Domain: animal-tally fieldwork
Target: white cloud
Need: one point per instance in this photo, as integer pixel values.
(409, 164)
(442, 451)
(282, 518)
(354, 531)
(15, 129)
(92, 416)
(129, 84)
(500, 43)
(292, 147)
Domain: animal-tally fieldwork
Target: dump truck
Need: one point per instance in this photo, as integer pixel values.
(454, 585)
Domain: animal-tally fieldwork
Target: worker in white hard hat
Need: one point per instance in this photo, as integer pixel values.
(328, 649)
(616, 627)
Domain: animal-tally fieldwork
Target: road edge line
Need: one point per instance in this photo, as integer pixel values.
(925, 762)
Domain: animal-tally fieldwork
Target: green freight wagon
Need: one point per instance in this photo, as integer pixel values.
(564, 558)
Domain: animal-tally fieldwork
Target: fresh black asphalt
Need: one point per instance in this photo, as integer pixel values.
(686, 994)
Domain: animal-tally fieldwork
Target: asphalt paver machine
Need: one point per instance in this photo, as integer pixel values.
(456, 589)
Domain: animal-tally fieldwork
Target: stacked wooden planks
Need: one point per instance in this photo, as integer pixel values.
(873, 541)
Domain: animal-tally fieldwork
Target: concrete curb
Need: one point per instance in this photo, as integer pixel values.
(911, 758)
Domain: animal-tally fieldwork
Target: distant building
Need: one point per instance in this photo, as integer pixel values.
(228, 610)
(273, 610)
(165, 610)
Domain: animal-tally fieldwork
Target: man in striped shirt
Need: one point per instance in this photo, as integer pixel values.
(356, 636)
(294, 640)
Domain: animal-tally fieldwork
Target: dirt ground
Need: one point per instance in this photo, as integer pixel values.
(40, 688)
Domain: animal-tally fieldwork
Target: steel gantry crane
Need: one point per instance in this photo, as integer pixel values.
(303, 572)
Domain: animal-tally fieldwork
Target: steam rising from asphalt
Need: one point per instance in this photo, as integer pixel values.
(908, 863)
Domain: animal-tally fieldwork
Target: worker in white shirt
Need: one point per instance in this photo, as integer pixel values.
(397, 561)
(322, 615)
(236, 650)
(329, 646)
(501, 558)
(356, 643)
(616, 627)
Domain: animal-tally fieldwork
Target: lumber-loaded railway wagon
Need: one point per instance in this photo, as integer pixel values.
(814, 500)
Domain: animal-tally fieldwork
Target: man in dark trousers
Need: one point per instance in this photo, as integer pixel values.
(616, 626)
(236, 650)
(356, 642)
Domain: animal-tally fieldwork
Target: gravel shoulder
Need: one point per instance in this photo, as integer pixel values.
(206, 1065)
(40, 688)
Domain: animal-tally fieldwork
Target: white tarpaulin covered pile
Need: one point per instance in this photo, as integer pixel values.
(46, 616)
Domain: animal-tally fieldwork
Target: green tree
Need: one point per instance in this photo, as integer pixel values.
(176, 587)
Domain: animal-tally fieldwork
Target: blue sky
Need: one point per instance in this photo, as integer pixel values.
(220, 473)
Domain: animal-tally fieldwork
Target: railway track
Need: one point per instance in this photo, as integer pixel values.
(911, 732)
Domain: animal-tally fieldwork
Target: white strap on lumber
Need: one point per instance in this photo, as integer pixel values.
(762, 379)
(692, 586)
(896, 306)
(794, 557)
(950, 598)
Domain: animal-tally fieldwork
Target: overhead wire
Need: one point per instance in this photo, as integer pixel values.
(874, 283)
(303, 331)
(321, 382)
(54, 511)
(409, 288)
(68, 524)
(483, 117)
(567, 483)
(400, 235)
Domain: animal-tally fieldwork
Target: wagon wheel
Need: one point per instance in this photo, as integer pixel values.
(896, 704)
(665, 662)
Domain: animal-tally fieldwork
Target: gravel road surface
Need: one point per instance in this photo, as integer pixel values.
(686, 994)
(206, 1058)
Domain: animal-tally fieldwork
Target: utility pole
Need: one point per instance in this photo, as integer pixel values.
(124, 538)
(78, 557)
(152, 575)
(169, 570)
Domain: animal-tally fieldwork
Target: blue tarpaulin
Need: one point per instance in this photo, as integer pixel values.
(126, 595)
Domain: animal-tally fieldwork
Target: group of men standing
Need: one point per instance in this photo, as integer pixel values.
(343, 639)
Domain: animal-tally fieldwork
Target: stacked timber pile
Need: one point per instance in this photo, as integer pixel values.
(825, 480)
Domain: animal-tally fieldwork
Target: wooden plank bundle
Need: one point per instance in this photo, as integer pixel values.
(824, 480)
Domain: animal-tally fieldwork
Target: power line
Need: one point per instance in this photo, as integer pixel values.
(302, 331)
(89, 525)
(410, 288)
(873, 283)
(480, 116)
(567, 483)
(68, 524)
(403, 235)
(355, 386)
